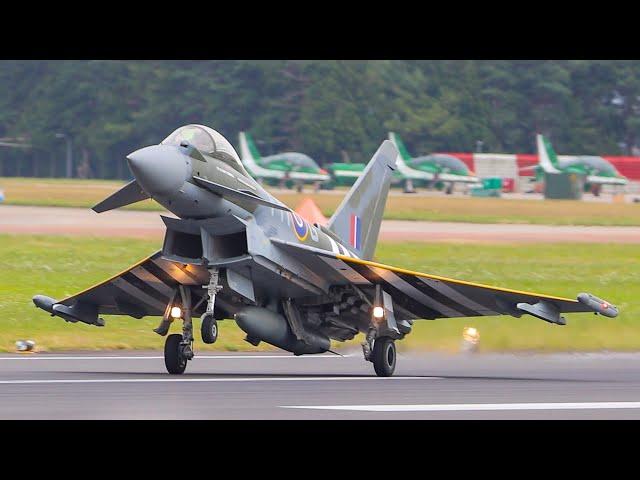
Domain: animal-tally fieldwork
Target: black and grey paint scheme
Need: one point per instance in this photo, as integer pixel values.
(287, 282)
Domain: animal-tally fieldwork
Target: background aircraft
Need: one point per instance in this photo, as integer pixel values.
(282, 168)
(430, 170)
(345, 174)
(436, 169)
(596, 170)
(236, 251)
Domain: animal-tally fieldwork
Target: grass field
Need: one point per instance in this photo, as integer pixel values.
(86, 193)
(60, 192)
(59, 266)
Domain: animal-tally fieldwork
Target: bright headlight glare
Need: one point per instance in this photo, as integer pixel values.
(176, 312)
(471, 334)
(378, 312)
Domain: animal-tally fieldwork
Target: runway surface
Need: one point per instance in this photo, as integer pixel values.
(272, 386)
(139, 224)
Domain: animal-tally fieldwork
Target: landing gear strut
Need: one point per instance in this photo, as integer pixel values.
(209, 326)
(178, 349)
(367, 345)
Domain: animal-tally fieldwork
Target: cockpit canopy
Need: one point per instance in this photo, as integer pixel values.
(207, 141)
(597, 165)
(448, 163)
(297, 160)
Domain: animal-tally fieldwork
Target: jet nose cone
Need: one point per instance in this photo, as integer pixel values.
(159, 169)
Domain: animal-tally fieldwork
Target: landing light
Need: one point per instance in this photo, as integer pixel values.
(378, 312)
(176, 312)
(470, 340)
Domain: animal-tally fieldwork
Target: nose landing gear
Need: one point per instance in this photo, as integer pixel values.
(209, 329)
(209, 326)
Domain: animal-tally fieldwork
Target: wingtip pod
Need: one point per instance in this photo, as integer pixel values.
(598, 305)
(78, 312)
(44, 302)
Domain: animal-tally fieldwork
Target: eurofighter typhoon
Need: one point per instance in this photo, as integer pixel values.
(235, 251)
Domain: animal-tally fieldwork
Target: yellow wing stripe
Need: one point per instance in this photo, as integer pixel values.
(437, 277)
(104, 282)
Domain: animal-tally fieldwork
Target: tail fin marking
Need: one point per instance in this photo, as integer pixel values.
(357, 220)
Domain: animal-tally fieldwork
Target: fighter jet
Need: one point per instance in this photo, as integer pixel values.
(294, 167)
(596, 170)
(431, 169)
(235, 251)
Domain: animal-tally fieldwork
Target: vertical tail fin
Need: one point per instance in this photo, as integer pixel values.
(357, 220)
(402, 148)
(547, 157)
(248, 148)
(403, 157)
(249, 153)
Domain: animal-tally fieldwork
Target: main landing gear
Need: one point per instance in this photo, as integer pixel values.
(383, 356)
(174, 358)
(379, 346)
(178, 349)
(381, 351)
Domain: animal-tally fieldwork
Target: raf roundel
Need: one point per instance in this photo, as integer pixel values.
(300, 227)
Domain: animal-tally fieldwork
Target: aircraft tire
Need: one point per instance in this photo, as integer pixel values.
(209, 329)
(384, 356)
(174, 359)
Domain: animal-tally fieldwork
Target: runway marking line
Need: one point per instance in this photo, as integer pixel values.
(475, 407)
(160, 357)
(204, 380)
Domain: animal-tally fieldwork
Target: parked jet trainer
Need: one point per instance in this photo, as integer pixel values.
(237, 252)
(280, 168)
(596, 171)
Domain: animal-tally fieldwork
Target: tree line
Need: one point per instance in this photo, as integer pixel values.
(331, 110)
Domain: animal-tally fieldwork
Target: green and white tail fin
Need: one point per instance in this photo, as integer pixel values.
(403, 155)
(357, 220)
(547, 157)
(249, 153)
(402, 148)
